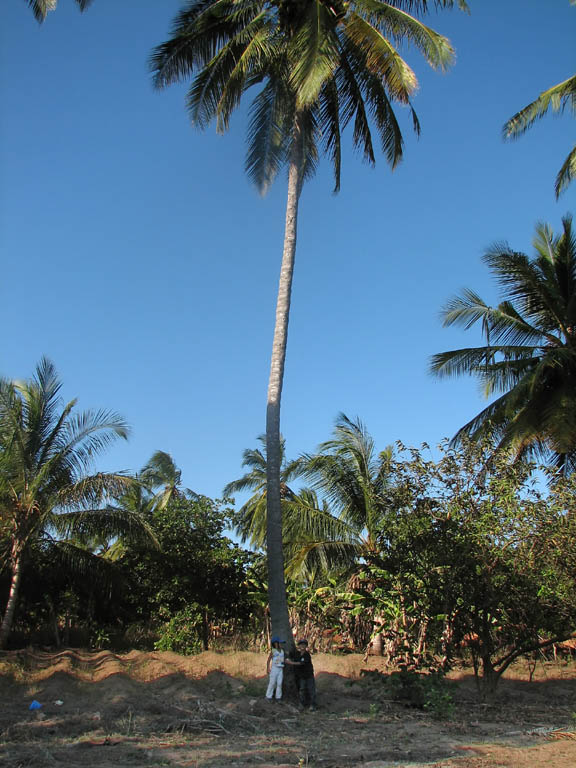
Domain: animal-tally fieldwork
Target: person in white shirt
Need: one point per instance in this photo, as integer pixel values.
(275, 669)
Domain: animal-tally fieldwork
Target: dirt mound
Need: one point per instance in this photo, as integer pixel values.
(209, 711)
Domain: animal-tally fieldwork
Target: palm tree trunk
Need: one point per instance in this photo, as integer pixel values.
(6, 628)
(275, 554)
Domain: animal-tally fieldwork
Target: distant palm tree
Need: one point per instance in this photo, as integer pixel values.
(251, 517)
(161, 472)
(41, 8)
(337, 521)
(354, 480)
(318, 64)
(46, 496)
(530, 351)
(557, 98)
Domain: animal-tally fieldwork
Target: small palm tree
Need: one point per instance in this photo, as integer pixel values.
(251, 517)
(46, 494)
(530, 351)
(336, 521)
(556, 98)
(354, 480)
(161, 472)
(317, 65)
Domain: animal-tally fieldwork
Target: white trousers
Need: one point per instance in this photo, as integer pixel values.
(275, 682)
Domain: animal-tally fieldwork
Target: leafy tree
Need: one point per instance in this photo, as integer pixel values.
(46, 495)
(319, 65)
(556, 98)
(41, 8)
(530, 351)
(195, 578)
(477, 555)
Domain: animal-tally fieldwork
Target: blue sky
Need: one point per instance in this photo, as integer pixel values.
(137, 256)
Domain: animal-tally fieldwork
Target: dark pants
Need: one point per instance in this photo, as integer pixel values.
(307, 692)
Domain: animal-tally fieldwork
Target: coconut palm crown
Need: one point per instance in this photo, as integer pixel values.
(530, 351)
(319, 65)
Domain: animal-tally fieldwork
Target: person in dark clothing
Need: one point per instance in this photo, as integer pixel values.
(304, 675)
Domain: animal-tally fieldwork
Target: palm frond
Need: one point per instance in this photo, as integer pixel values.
(319, 556)
(253, 52)
(381, 110)
(530, 284)
(92, 490)
(89, 433)
(315, 538)
(305, 520)
(271, 113)
(566, 174)
(313, 53)
(381, 58)
(248, 482)
(91, 569)
(352, 103)
(423, 6)
(500, 325)
(329, 123)
(307, 138)
(108, 523)
(198, 33)
(401, 26)
(321, 68)
(250, 521)
(556, 98)
(41, 8)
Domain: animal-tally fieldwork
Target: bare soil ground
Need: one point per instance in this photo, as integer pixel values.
(102, 710)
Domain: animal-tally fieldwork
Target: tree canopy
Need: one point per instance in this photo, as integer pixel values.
(530, 350)
(47, 495)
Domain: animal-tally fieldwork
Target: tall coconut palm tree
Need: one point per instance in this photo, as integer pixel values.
(557, 99)
(41, 8)
(47, 496)
(530, 350)
(318, 65)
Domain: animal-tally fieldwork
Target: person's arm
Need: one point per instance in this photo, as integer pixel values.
(268, 660)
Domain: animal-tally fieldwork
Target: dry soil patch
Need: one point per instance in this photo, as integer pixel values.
(209, 711)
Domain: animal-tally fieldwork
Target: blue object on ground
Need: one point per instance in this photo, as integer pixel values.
(35, 705)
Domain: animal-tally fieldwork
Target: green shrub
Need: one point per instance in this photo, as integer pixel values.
(430, 692)
(181, 633)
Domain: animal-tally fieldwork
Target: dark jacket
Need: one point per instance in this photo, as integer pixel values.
(306, 668)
